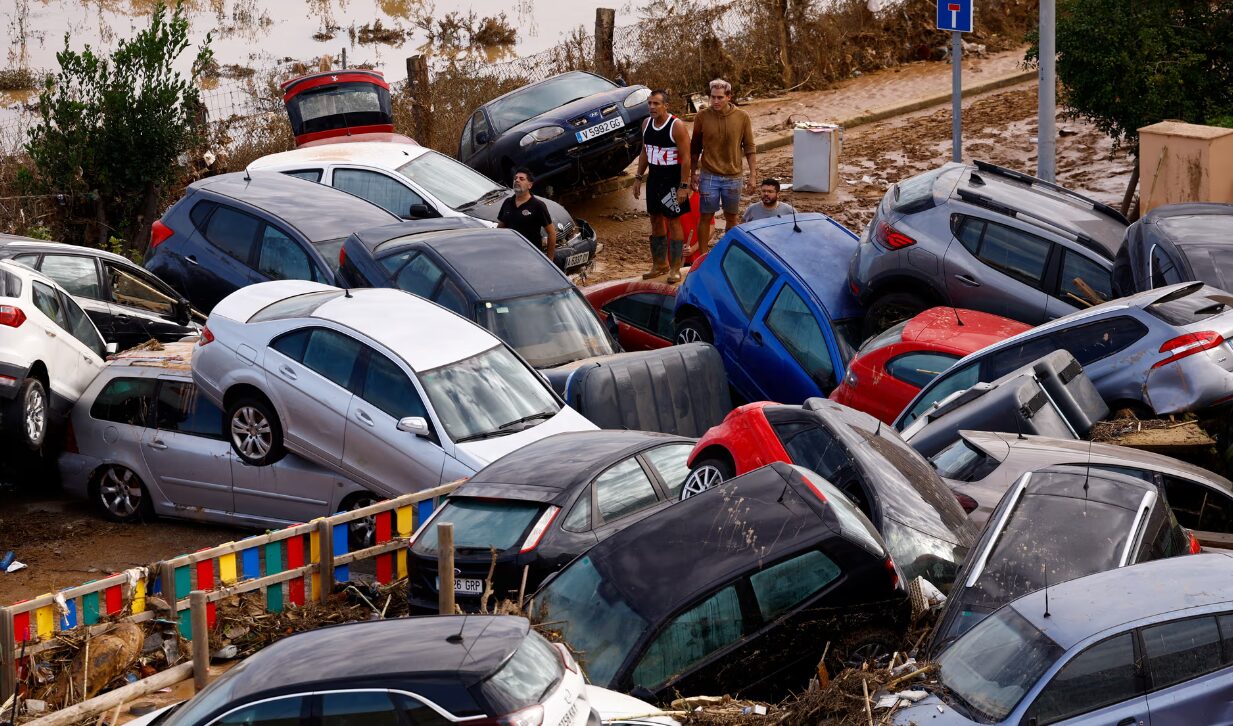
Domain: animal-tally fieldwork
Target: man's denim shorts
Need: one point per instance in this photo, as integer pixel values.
(719, 191)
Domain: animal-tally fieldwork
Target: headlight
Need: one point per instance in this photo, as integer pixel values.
(541, 134)
(637, 97)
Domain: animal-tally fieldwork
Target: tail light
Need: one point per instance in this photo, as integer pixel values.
(969, 504)
(1195, 547)
(205, 337)
(856, 291)
(891, 238)
(1188, 344)
(11, 316)
(70, 439)
(814, 488)
(529, 716)
(567, 660)
(893, 571)
(537, 532)
(342, 255)
(159, 233)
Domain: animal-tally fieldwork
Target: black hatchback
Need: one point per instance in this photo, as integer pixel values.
(542, 506)
(735, 590)
(1176, 243)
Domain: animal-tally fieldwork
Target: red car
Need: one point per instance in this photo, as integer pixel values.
(643, 310)
(891, 367)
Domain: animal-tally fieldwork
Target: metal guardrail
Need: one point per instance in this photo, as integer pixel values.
(286, 565)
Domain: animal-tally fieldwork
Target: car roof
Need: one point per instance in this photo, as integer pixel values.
(374, 238)
(498, 263)
(665, 560)
(544, 470)
(319, 212)
(1086, 606)
(1199, 224)
(172, 357)
(387, 155)
(959, 329)
(807, 254)
(45, 247)
(1041, 451)
(466, 648)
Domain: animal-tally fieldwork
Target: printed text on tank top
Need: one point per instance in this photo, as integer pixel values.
(661, 155)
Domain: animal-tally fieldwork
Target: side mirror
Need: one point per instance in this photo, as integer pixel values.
(183, 312)
(621, 82)
(422, 211)
(482, 138)
(112, 348)
(417, 425)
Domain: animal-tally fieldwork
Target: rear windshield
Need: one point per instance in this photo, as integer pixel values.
(527, 677)
(963, 462)
(299, 306)
(10, 285)
(916, 194)
(1191, 304)
(481, 523)
(890, 336)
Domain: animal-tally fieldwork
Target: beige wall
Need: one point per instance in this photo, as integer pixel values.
(1180, 162)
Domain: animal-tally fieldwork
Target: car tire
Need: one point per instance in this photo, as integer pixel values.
(706, 474)
(872, 645)
(361, 533)
(29, 413)
(892, 308)
(254, 431)
(693, 329)
(120, 495)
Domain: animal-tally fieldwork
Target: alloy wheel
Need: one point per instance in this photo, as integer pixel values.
(120, 492)
(251, 432)
(688, 335)
(700, 479)
(363, 532)
(35, 409)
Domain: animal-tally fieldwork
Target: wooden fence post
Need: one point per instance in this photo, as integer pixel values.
(445, 569)
(8, 655)
(325, 564)
(167, 582)
(201, 639)
(605, 23)
(421, 99)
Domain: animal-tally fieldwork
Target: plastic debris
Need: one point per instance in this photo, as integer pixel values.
(34, 705)
(14, 566)
(912, 696)
(227, 652)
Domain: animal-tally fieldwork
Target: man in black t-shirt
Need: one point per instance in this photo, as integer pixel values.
(528, 215)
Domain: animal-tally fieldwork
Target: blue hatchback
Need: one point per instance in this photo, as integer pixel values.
(773, 297)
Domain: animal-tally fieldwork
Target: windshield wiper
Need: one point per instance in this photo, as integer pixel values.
(485, 197)
(533, 417)
(483, 435)
(959, 703)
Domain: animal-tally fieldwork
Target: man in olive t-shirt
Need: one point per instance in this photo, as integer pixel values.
(528, 215)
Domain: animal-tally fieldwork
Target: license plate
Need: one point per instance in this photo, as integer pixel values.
(611, 124)
(465, 586)
(578, 259)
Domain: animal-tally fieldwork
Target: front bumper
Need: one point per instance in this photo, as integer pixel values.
(579, 251)
(596, 158)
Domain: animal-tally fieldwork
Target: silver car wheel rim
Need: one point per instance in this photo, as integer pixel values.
(36, 414)
(869, 652)
(364, 530)
(251, 432)
(701, 479)
(688, 335)
(120, 491)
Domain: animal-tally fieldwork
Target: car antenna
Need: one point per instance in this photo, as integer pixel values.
(1019, 428)
(1045, 569)
(795, 227)
(347, 292)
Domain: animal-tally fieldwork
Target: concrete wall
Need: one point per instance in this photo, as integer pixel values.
(1180, 162)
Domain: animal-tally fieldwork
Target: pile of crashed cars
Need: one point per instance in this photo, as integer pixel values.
(987, 322)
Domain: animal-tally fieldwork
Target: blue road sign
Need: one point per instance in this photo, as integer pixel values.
(955, 15)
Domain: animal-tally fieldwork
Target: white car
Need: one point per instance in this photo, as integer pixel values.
(416, 182)
(377, 384)
(49, 352)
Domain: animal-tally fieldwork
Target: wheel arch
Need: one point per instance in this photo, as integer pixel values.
(713, 451)
(900, 282)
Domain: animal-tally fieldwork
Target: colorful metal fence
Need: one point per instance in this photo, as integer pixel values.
(286, 565)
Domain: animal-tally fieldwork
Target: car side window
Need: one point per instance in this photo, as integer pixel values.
(451, 298)
(794, 324)
(30, 261)
(358, 708)
(1083, 283)
(579, 517)
(133, 291)
(419, 276)
(1089, 343)
(48, 303)
(80, 327)
(200, 214)
(288, 711)
(1181, 650)
(1225, 620)
(747, 277)
(419, 713)
(1103, 674)
(312, 175)
(180, 407)
(783, 586)
(282, 258)
(671, 462)
(78, 275)
(332, 354)
(1164, 272)
(1016, 355)
(1198, 507)
(813, 447)
(293, 344)
(917, 369)
(1017, 254)
(969, 234)
(465, 146)
(232, 232)
(953, 380)
(479, 125)
(624, 489)
(124, 401)
(388, 388)
(690, 637)
(639, 309)
(378, 189)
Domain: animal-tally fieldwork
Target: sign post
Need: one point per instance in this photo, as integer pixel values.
(1046, 133)
(956, 17)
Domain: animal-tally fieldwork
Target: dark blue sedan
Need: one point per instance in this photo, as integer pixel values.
(565, 129)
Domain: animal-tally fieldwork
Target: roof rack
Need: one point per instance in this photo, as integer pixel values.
(981, 200)
(1033, 181)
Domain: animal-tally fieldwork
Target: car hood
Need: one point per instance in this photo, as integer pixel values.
(478, 454)
(488, 211)
(562, 114)
(618, 708)
(930, 710)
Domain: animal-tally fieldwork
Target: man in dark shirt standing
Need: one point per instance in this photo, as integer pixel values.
(528, 215)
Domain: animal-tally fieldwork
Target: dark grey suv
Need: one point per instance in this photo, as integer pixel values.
(986, 238)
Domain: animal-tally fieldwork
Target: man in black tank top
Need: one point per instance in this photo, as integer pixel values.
(665, 150)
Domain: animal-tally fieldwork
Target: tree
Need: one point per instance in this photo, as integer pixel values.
(1124, 65)
(112, 128)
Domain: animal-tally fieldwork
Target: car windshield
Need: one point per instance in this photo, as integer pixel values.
(991, 668)
(489, 394)
(548, 330)
(453, 183)
(589, 613)
(962, 461)
(480, 524)
(531, 101)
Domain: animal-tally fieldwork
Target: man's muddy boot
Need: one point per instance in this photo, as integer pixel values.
(659, 257)
(674, 261)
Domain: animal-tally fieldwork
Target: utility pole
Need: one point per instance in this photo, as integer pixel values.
(1046, 131)
(956, 96)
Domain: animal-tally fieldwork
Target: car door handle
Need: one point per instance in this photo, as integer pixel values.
(191, 259)
(1127, 721)
(50, 333)
(756, 336)
(156, 444)
(967, 281)
(364, 418)
(288, 372)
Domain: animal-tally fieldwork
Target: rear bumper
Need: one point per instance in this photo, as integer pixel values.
(11, 378)
(422, 591)
(75, 470)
